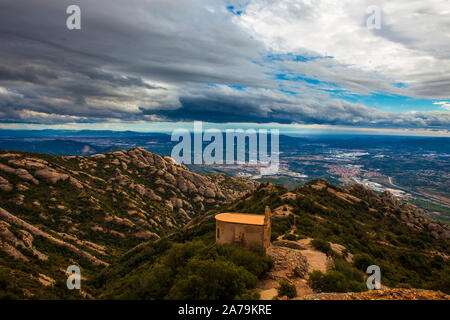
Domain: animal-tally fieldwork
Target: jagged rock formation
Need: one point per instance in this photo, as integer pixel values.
(289, 261)
(136, 189)
(413, 216)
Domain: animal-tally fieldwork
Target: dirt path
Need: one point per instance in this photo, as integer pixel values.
(316, 260)
(293, 262)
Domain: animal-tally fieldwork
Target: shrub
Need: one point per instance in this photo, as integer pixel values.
(252, 259)
(194, 271)
(179, 254)
(322, 245)
(287, 289)
(291, 237)
(248, 295)
(281, 225)
(356, 286)
(209, 279)
(332, 281)
(442, 281)
(274, 236)
(347, 270)
(362, 261)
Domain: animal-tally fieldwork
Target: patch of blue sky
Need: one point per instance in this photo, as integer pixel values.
(340, 94)
(298, 78)
(392, 102)
(400, 85)
(237, 87)
(288, 91)
(258, 63)
(336, 91)
(345, 95)
(292, 57)
(234, 10)
(237, 7)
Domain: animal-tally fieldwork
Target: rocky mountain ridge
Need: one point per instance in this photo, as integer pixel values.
(92, 209)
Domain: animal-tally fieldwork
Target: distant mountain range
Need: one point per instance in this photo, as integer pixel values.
(79, 142)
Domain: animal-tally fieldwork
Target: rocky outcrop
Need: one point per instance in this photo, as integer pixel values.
(5, 215)
(21, 173)
(183, 184)
(12, 251)
(29, 163)
(50, 175)
(384, 294)
(146, 235)
(289, 262)
(410, 214)
(5, 185)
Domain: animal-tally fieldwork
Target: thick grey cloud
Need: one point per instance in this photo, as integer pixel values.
(267, 108)
(170, 60)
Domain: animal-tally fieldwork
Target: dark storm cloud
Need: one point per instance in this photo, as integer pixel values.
(226, 108)
(119, 45)
(171, 59)
(14, 75)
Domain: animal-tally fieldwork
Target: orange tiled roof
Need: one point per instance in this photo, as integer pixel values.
(242, 218)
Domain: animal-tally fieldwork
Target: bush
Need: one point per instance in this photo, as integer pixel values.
(287, 289)
(196, 271)
(442, 281)
(209, 279)
(322, 245)
(354, 277)
(291, 237)
(252, 259)
(281, 225)
(248, 295)
(362, 261)
(346, 268)
(8, 290)
(332, 281)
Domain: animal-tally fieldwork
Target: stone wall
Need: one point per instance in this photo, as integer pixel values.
(241, 234)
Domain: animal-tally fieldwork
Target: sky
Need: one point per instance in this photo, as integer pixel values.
(293, 64)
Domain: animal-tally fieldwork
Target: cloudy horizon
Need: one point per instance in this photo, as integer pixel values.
(285, 62)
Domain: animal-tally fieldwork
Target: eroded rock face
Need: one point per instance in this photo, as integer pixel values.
(5, 185)
(21, 173)
(176, 203)
(12, 251)
(41, 171)
(173, 182)
(50, 175)
(146, 235)
(76, 182)
(29, 163)
(289, 262)
(22, 187)
(410, 214)
(413, 216)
